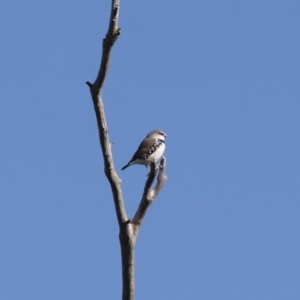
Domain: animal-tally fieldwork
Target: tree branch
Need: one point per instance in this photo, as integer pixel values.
(128, 229)
(127, 243)
(149, 194)
(95, 89)
(112, 35)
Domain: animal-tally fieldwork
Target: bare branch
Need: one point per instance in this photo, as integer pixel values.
(127, 243)
(149, 195)
(127, 238)
(95, 89)
(161, 178)
(128, 229)
(112, 35)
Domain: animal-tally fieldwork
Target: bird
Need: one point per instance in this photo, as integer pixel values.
(150, 149)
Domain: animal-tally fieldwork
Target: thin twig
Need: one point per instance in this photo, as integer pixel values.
(149, 194)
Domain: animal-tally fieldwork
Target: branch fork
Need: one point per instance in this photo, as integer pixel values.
(128, 228)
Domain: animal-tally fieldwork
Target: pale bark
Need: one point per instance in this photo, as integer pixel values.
(128, 228)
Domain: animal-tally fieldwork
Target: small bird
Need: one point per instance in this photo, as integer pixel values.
(151, 148)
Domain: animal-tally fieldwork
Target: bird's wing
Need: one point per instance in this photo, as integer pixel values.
(143, 148)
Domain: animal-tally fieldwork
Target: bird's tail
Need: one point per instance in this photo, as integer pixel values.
(125, 166)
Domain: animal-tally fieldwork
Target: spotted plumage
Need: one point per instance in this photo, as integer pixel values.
(151, 148)
(155, 146)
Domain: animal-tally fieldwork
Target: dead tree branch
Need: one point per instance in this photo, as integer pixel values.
(128, 229)
(95, 89)
(149, 194)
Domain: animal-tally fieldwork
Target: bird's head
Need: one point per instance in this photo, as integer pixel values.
(157, 134)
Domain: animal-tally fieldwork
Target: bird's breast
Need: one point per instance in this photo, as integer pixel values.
(158, 151)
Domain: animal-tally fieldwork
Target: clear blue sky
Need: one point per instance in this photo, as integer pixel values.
(222, 79)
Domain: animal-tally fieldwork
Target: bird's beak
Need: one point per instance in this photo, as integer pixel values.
(165, 135)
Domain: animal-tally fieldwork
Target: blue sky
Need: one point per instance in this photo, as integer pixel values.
(221, 78)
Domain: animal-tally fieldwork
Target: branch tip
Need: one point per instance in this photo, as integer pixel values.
(89, 84)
